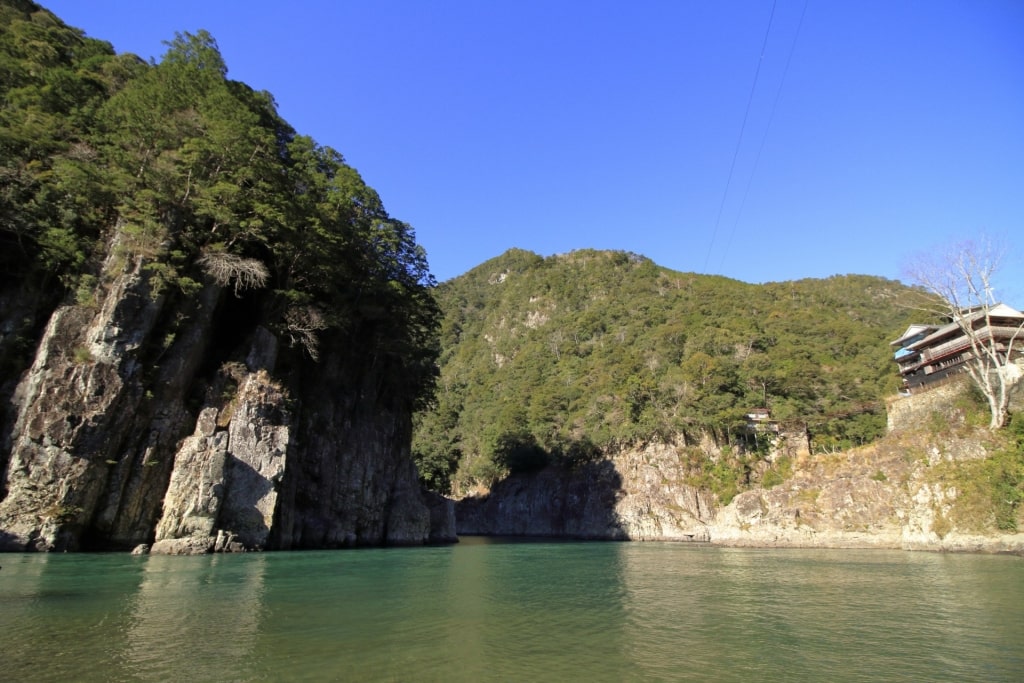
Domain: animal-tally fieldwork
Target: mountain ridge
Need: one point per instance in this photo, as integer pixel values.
(607, 347)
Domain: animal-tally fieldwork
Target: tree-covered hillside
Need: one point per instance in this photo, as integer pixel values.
(197, 175)
(556, 358)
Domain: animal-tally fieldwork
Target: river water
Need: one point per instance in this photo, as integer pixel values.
(514, 611)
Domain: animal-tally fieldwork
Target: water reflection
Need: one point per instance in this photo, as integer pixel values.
(669, 618)
(472, 612)
(554, 610)
(196, 618)
(356, 615)
(62, 616)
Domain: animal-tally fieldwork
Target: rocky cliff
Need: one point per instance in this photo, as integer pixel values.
(891, 494)
(900, 492)
(180, 421)
(212, 333)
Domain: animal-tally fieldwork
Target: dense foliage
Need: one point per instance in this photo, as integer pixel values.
(199, 177)
(563, 356)
(990, 491)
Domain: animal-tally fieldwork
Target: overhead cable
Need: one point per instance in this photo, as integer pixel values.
(743, 126)
(764, 138)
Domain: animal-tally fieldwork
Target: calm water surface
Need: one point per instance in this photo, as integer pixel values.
(487, 611)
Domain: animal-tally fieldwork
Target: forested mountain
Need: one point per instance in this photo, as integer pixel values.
(212, 334)
(556, 359)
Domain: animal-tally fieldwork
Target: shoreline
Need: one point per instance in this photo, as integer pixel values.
(1003, 544)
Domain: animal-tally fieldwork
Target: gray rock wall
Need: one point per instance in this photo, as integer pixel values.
(160, 419)
(350, 479)
(639, 494)
(85, 432)
(223, 491)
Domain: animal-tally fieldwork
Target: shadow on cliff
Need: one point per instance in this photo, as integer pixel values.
(549, 495)
(248, 505)
(11, 543)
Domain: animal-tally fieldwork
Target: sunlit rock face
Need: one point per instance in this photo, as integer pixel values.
(223, 489)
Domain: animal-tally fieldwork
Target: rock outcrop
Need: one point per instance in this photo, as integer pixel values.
(877, 496)
(212, 333)
(639, 495)
(151, 419)
(223, 489)
(93, 424)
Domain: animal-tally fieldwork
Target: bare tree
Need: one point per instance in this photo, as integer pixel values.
(303, 325)
(225, 267)
(957, 284)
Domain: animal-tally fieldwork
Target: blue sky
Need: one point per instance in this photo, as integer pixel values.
(874, 129)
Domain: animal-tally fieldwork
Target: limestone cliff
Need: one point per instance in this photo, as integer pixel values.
(150, 417)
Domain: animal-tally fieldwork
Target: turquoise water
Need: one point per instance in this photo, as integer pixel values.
(486, 611)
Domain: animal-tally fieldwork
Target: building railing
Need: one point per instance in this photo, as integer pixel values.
(963, 342)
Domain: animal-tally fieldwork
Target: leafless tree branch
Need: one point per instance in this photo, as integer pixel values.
(303, 324)
(225, 268)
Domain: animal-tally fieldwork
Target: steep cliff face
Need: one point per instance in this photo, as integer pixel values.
(353, 458)
(223, 488)
(94, 425)
(212, 333)
(579, 503)
(132, 425)
(638, 494)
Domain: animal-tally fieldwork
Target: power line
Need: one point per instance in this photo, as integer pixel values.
(743, 126)
(764, 138)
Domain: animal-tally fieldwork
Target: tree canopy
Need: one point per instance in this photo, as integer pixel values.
(200, 178)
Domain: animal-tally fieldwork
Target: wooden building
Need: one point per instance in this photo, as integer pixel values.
(927, 353)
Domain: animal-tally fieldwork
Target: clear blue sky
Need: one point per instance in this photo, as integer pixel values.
(875, 129)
